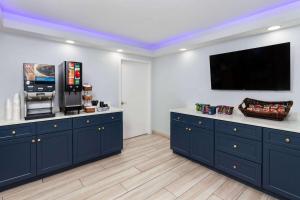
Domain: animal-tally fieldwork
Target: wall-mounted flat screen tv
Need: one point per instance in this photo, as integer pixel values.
(263, 68)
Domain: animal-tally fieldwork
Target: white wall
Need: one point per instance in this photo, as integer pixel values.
(183, 79)
(100, 68)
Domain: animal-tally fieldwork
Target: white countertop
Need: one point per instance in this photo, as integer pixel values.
(58, 116)
(291, 123)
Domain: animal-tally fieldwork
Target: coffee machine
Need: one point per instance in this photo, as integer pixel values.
(39, 90)
(70, 82)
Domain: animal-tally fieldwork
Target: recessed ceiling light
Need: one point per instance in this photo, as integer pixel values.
(120, 50)
(273, 28)
(70, 41)
(182, 49)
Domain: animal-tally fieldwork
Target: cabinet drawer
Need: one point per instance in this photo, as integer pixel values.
(244, 148)
(107, 118)
(193, 120)
(95, 120)
(285, 138)
(8, 132)
(241, 130)
(201, 122)
(178, 117)
(54, 126)
(242, 169)
(80, 122)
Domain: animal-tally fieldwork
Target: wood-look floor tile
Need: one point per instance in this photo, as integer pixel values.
(250, 194)
(11, 192)
(43, 189)
(75, 173)
(162, 195)
(94, 178)
(153, 186)
(205, 188)
(109, 193)
(214, 197)
(152, 173)
(149, 164)
(123, 158)
(91, 190)
(187, 181)
(57, 192)
(230, 190)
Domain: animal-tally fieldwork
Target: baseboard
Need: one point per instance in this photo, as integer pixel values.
(166, 135)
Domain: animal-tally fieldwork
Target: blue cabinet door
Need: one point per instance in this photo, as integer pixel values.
(202, 145)
(54, 151)
(18, 160)
(281, 171)
(111, 137)
(180, 138)
(86, 143)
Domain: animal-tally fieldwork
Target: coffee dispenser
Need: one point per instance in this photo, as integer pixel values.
(39, 90)
(70, 86)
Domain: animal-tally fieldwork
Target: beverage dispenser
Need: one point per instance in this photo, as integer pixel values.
(70, 86)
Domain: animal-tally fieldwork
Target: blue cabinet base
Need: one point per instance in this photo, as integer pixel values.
(36, 150)
(265, 159)
(19, 183)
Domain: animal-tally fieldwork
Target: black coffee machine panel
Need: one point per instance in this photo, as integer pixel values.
(70, 82)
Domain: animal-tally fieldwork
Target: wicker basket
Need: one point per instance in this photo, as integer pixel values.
(265, 115)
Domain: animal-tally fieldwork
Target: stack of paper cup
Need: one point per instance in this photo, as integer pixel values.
(8, 109)
(16, 107)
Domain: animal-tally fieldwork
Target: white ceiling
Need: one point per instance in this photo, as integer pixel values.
(144, 22)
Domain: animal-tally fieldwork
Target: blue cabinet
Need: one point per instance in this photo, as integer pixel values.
(282, 163)
(54, 151)
(193, 137)
(180, 138)
(17, 160)
(86, 143)
(111, 137)
(36, 149)
(202, 145)
(98, 136)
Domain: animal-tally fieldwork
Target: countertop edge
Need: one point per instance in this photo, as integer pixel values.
(289, 124)
(57, 117)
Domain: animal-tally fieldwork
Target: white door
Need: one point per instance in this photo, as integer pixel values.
(135, 98)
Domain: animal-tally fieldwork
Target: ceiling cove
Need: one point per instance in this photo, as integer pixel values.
(151, 47)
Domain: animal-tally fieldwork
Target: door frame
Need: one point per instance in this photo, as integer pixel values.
(149, 124)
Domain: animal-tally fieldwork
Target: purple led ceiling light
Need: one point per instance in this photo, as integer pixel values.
(13, 14)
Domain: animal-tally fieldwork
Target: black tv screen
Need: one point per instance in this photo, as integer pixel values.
(263, 68)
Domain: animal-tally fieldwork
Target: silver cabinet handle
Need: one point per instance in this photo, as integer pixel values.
(55, 126)
(287, 140)
(103, 128)
(39, 140)
(190, 129)
(235, 129)
(13, 132)
(112, 117)
(234, 166)
(186, 129)
(99, 129)
(200, 122)
(33, 140)
(235, 146)
(87, 121)
(178, 118)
